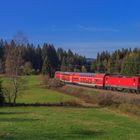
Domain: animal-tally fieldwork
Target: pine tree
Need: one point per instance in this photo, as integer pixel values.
(101, 67)
(50, 60)
(93, 67)
(46, 68)
(63, 65)
(38, 54)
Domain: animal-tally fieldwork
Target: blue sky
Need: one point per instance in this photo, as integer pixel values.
(84, 26)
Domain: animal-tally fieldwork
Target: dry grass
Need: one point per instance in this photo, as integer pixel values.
(126, 103)
(129, 109)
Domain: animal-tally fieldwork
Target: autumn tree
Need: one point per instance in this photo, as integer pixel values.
(27, 70)
(83, 69)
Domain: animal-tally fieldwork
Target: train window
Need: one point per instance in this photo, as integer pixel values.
(75, 78)
(99, 80)
(134, 80)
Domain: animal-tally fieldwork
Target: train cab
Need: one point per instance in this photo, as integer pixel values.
(57, 75)
(122, 82)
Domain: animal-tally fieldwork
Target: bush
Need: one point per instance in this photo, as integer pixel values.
(55, 83)
(51, 82)
(105, 99)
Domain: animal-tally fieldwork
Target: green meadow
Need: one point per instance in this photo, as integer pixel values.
(62, 123)
(37, 94)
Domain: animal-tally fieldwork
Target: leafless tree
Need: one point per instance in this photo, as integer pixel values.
(13, 71)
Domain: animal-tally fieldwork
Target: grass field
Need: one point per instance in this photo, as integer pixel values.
(62, 123)
(36, 94)
(42, 123)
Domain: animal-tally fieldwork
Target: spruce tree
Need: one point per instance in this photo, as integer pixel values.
(46, 68)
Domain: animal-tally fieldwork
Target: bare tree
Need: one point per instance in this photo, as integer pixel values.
(13, 71)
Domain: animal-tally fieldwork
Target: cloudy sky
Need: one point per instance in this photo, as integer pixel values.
(84, 26)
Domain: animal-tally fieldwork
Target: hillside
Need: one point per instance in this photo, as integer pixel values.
(60, 123)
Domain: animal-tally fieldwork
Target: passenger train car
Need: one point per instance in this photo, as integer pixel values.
(104, 81)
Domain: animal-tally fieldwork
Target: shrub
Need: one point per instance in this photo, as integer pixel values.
(51, 82)
(54, 83)
(104, 99)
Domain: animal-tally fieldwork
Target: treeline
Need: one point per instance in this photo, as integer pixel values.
(47, 59)
(41, 59)
(124, 61)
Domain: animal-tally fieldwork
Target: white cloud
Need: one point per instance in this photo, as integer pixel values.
(98, 29)
(83, 28)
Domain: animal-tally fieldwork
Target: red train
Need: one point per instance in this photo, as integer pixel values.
(105, 81)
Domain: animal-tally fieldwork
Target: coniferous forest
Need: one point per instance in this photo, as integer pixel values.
(46, 59)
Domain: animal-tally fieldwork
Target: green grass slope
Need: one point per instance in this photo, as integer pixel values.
(43, 123)
(62, 123)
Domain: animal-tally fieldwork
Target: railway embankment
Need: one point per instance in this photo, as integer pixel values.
(127, 103)
(123, 102)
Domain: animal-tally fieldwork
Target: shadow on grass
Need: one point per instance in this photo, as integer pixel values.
(78, 134)
(5, 136)
(11, 113)
(74, 135)
(88, 133)
(59, 104)
(17, 120)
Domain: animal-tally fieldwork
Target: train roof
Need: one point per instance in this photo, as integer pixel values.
(98, 74)
(81, 73)
(123, 76)
(85, 74)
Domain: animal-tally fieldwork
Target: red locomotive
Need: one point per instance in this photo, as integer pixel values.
(105, 81)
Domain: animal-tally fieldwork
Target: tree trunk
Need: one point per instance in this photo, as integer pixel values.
(15, 97)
